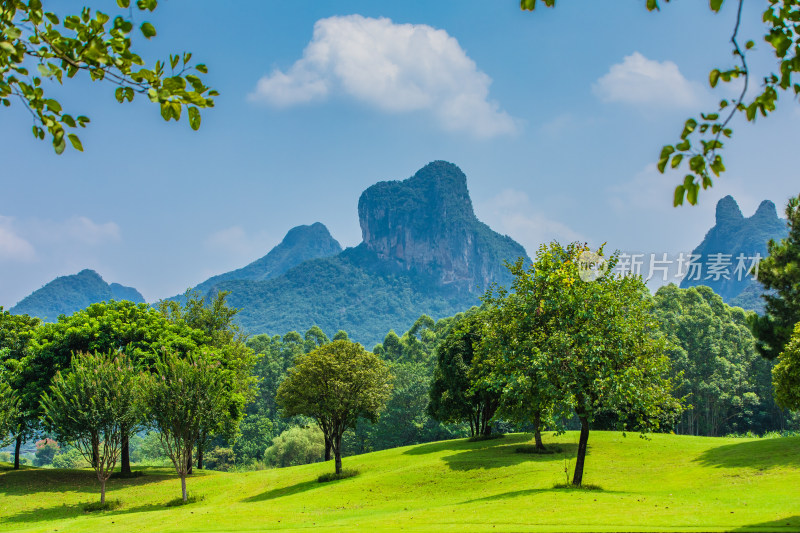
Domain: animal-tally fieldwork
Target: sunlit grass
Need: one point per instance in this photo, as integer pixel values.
(666, 483)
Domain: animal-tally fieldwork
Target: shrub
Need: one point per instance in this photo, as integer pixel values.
(71, 458)
(5, 457)
(333, 476)
(296, 446)
(109, 505)
(221, 459)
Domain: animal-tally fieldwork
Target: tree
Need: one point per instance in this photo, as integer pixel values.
(786, 374)
(780, 272)
(16, 333)
(46, 450)
(186, 395)
(702, 157)
(91, 405)
(457, 392)
(715, 364)
(336, 384)
(595, 343)
(9, 412)
(97, 46)
(137, 329)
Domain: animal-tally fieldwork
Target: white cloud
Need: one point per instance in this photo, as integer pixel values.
(395, 68)
(86, 231)
(644, 82)
(12, 246)
(512, 213)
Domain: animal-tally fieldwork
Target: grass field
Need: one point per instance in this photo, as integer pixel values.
(668, 483)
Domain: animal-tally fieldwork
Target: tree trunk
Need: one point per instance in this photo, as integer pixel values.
(200, 455)
(537, 431)
(327, 448)
(577, 478)
(17, 449)
(102, 491)
(183, 489)
(125, 456)
(337, 450)
(189, 464)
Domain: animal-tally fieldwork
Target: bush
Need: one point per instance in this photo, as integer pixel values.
(71, 458)
(5, 457)
(333, 476)
(109, 505)
(296, 446)
(46, 450)
(221, 459)
(177, 502)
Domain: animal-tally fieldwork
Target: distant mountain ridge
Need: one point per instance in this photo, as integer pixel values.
(300, 244)
(734, 235)
(67, 294)
(423, 252)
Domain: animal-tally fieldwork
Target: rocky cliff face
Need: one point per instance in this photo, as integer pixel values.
(732, 235)
(426, 223)
(67, 294)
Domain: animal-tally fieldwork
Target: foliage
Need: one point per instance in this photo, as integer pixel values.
(221, 459)
(780, 272)
(46, 451)
(589, 345)
(336, 384)
(296, 446)
(70, 458)
(255, 436)
(90, 405)
(186, 395)
(335, 476)
(457, 393)
(99, 47)
(702, 138)
(149, 448)
(715, 364)
(786, 374)
(9, 412)
(94, 507)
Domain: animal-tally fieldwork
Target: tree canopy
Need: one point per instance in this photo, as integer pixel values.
(98, 46)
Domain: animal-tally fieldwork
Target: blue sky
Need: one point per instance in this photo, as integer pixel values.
(556, 117)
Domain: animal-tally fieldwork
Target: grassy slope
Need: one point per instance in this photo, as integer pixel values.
(667, 483)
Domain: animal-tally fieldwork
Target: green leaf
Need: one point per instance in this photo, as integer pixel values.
(148, 30)
(76, 142)
(194, 118)
(124, 3)
(59, 144)
(715, 5)
(7, 47)
(201, 68)
(676, 160)
(713, 77)
(691, 194)
(680, 191)
(663, 159)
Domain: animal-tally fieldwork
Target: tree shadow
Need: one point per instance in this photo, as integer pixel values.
(466, 444)
(760, 454)
(790, 523)
(74, 510)
(533, 492)
(503, 456)
(284, 491)
(20, 482)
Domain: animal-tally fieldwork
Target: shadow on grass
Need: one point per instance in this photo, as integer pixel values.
(467, 444)
(505, 455)
(759, 454)
(532, 492)
(284, 491)
(25, 481)
(63, 512)
(790, 523)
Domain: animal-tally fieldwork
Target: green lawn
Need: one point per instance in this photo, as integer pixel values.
(666, 483)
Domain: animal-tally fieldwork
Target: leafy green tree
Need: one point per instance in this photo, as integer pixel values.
(16, 333)
(457, 393)
(595, 342)
(187, 394)
(70, 458)
(91, 405)
(336, 384)
(137, 329)
(786, 374)
(780, 272)
(715, 364)
(315, 338)
(702, 137)
(97, 46)
(9, 412)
